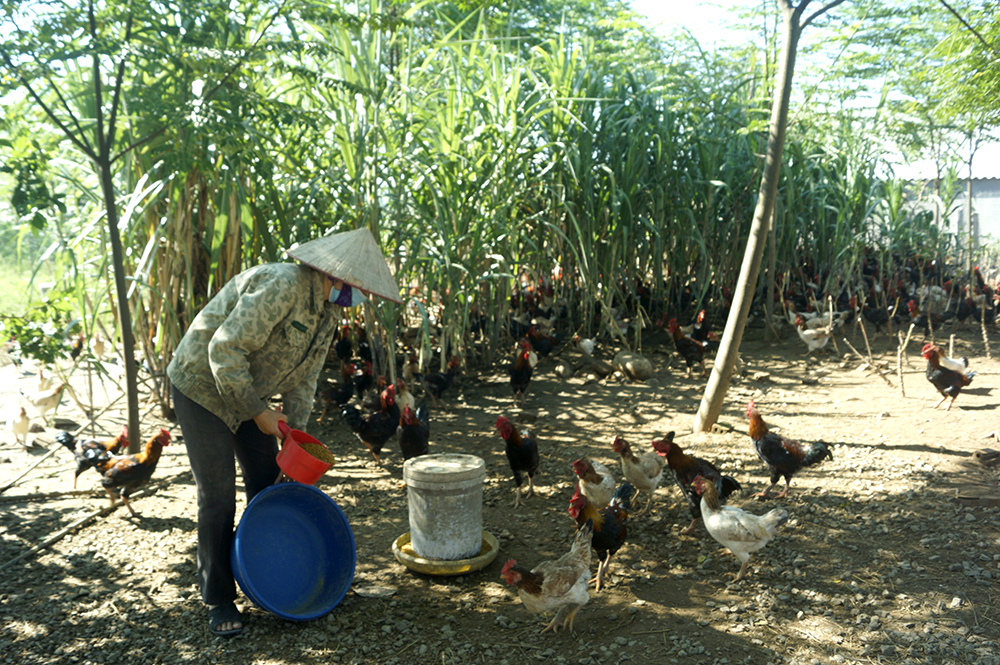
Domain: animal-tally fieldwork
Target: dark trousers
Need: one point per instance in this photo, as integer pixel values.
(211, 448)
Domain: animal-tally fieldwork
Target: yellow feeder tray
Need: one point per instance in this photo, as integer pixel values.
(403, 551)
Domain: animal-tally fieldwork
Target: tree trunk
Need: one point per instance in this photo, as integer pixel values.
(722, 372)
(973, 228)
(124, 313)
(770, 334)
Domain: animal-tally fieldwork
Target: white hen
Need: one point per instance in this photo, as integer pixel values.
(596, 482)
(404, 398)
(644, 471)
(19, 425)
(735, 528)
(815, 338)
(585, 345)
(46, 400)
(960, 365)
(97, 346)
(816, 319)
(43, 382)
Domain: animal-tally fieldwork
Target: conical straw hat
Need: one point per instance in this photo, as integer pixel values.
(352, 256)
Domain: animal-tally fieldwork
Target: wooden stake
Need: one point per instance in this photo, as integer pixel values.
(899, 360)
(951, 345)
(906, 344)
(836, 348)
(864, 333)
(871, 363)
(982, 324)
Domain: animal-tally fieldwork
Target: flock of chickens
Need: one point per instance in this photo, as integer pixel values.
(394, 414)
(600, 505)
(602, 508)
(121, 474)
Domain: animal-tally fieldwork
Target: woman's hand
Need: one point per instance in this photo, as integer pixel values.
(267, 422)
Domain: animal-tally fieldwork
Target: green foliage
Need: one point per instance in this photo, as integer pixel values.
(487, 147)
(41, 331)
(973, 74)
(14, 277)
(918, 66)
(31, 195)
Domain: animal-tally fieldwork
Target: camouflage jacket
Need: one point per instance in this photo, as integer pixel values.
(266, 332)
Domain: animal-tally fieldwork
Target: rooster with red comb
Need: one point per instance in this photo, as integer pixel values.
(946, 374)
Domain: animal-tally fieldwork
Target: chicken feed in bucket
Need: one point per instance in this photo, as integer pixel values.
(302, 457)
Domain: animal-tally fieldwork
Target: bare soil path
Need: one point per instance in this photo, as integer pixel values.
(892, 552)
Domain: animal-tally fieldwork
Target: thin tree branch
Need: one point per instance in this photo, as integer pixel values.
(62, 533)
(103, 142)
(62, 100)
(822, 10)
(124, 151)
(970, 28)
(208, 96)
(69, 111)
(84, 148)
(116, 100)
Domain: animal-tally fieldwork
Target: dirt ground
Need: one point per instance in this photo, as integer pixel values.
(891, 553)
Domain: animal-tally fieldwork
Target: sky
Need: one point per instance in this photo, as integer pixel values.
(705, 20)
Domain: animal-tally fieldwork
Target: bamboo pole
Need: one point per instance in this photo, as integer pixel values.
(772, 265)
(48, 496)
(718, 383)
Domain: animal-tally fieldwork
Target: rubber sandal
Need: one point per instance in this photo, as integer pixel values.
(224, 614)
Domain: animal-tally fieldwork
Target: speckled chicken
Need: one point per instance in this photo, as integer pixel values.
(93, 453)
(560, 585)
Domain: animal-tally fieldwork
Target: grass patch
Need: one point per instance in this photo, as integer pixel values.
(14, 294)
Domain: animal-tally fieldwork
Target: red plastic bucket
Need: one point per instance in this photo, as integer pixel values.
(296, 462)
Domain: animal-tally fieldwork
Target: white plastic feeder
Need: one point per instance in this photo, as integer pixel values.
(446, 505)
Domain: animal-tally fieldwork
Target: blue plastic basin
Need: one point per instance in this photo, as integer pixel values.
(293, 554)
